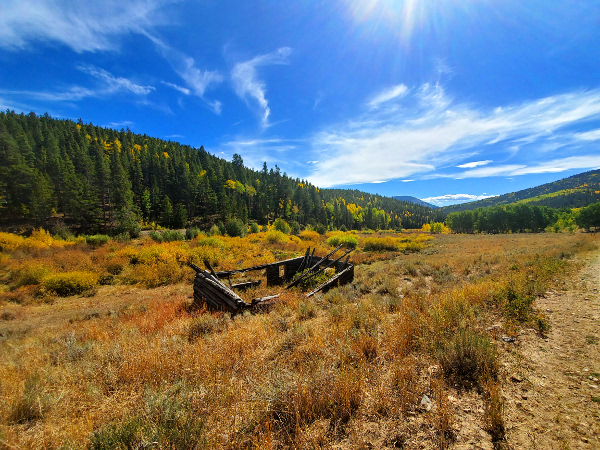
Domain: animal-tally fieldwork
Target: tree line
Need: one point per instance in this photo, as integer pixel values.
(523, 217)
(96, 179)
(519, 217)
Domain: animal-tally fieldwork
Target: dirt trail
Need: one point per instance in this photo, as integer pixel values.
(553, 384)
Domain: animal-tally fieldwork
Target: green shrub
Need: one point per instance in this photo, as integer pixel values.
(166, 420)
(347, 240)
(155, 236)
(295, 226)
(214, 231)
(516, 304)
(281, 225)
(167, 236)
(97, 240)
(61, 231)
(254, 228)
(127, 222)
(320, 228)
(192, 233)
(469, 358)
(236, 228)
(172, 235)
(69, 283)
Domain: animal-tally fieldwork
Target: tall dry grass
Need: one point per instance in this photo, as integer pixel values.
(135, 367)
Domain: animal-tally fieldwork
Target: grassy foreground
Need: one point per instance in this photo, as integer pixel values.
(126, 363)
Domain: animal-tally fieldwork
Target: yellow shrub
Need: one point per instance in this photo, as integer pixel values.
(29, 275)
(423, 238)
(4, 258)
(128, 252)
(375, 244)
(10, 242)
(308, 235)
(199, 254)
(69, 283)
(276, 237)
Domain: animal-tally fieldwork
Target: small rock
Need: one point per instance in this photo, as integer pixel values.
(587, 299)
(508, 339)
(524, 397)
(516, 378)
(584, 439)
(426, 403)
(549, 311)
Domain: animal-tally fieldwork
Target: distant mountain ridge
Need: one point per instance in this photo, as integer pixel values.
(415, 200)
(573, 192)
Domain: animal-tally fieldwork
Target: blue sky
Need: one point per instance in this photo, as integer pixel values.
(445, 100)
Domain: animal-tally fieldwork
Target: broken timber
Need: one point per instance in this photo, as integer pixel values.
(217, 296)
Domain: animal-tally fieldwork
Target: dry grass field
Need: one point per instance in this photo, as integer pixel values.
(100, 347)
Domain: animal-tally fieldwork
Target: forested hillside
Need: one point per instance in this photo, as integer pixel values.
(97, 179)
(573, 192)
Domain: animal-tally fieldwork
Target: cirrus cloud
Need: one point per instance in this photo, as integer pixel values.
(432, 133)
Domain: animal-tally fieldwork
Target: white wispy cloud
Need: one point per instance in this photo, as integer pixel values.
(108, 85)
(386, 95)
(181, 89)
(432, 131)
(248, 86)
(472, 164)
(554, 166)
(196, 79)
(79, 24)
(593, 135)
(455, 198)
(125, 123)
(115, 84)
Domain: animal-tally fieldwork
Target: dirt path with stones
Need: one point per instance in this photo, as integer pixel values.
(553, 384)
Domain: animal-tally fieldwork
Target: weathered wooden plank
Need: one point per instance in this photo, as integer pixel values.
(298, 280)
(331, 282)
(261, 267)
(216, 297)
(246, 285)
(326, 266)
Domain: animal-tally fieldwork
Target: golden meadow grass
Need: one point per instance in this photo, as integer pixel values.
(127, 363)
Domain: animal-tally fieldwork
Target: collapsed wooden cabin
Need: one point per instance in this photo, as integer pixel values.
(209, 290)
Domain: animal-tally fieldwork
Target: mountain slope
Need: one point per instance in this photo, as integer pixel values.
(98, 179)
(415, 200)
(573, 192)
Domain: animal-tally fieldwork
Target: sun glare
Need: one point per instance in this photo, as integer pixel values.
(403, 18)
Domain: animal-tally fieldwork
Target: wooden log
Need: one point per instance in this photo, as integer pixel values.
(260, 300)
(195, 267)
(209, 267)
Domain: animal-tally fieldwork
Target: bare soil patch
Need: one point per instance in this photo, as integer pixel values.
(553, 381)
